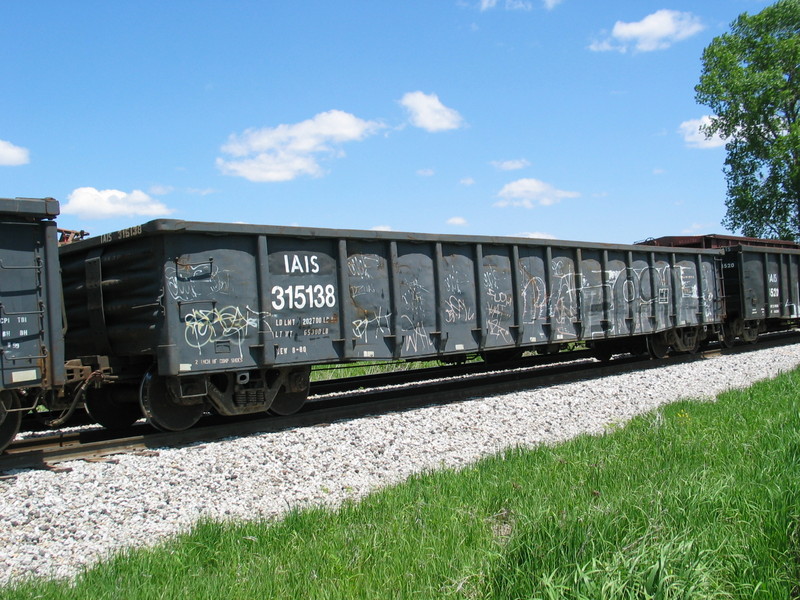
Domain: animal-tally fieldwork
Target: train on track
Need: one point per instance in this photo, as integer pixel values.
(172, 319)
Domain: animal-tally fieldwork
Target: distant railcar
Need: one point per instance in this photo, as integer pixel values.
(716, 241)
(762, 290)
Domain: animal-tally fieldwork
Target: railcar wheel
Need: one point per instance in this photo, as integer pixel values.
(294, 394)
(287, 403)
(161, 408)
(603, 352)
(658, 346)
(113, 407)
(727, 337)
(10, 417)
(693, 347)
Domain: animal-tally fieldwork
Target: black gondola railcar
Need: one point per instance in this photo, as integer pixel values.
(189, 316)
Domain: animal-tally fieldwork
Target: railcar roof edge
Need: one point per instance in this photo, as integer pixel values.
(34, 207)
(170, 226)
(760, 249)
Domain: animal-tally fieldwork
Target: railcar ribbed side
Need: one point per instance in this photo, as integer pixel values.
(233, 316)
(31, 327)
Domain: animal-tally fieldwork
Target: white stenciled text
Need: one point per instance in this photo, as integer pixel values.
(295, 263)
(303, 296)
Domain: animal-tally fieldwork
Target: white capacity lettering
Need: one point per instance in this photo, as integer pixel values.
(301, 296)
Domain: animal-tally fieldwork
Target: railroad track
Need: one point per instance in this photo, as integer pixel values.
(336, 405)
(347, 384)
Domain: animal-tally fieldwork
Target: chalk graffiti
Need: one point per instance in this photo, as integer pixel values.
(362, 265)
(379, 324)
(456, 285)
(616, 300)
(206, 326)
(413, 321)
(456, 310)
(189, 282)
(499, 306)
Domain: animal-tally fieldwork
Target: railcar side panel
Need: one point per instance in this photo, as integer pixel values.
(302, 314)
(790, 285)
(114, 298)
(367, 301)
(534, 294)
(563, 288)
(211, 305)
(641, 290)
(762, 283)
(594, 296)
(687, 292)
(31, 327)
(499, 299)
(414, 298)
(458, 300)
(205, 297)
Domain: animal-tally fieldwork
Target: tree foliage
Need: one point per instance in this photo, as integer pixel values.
(750, 82)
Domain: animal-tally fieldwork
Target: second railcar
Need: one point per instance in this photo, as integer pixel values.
(762, 290)
(185, 316)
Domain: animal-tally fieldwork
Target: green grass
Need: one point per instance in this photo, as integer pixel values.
(359, 369)
(696, 500)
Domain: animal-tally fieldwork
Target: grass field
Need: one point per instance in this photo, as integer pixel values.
(359, 369)
(695, 500)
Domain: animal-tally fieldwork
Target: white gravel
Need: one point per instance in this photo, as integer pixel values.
(53, 524)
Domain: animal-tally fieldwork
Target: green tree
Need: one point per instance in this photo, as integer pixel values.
(750, 82)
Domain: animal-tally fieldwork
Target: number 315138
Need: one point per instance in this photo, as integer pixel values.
(302, 296)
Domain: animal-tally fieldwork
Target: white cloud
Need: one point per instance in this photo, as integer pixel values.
(13, 156)
(91, 203)
(551, 4)
(427, 111)
(510, 165)
(381, 228)
(512, 4)
(426, 172)
(695, 138)
(604, 45)
(656, 31)
(161, 190)
(201, 191)
(460, 221)
(530, 192)
(467, 181)
(694, 228)
(286, 152)
(535, 235)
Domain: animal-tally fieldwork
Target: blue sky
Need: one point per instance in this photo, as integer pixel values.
(571, 119)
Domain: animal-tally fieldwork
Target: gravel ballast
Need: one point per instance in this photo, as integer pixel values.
(53, 524)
